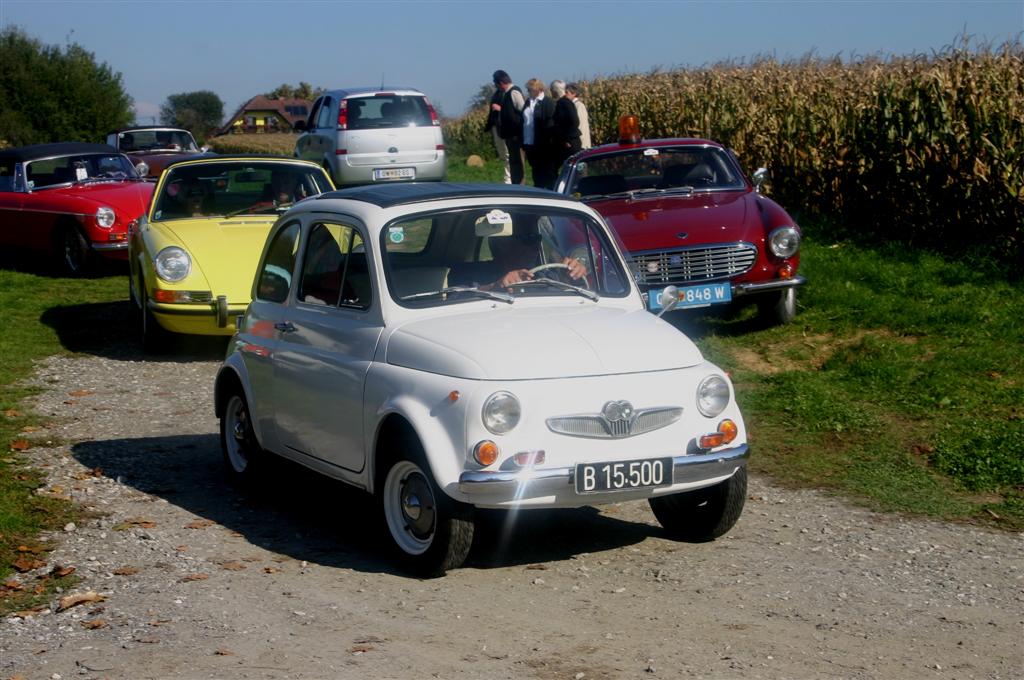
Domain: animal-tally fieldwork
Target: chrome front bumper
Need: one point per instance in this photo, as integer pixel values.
(767, 286)
(554, 481)
(111, 245)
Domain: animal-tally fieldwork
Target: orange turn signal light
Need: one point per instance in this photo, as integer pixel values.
(786, 271)
(727, 431)
(485, 452)
(453, 396)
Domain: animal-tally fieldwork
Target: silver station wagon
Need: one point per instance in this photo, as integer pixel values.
(453, 347)
(367, 135)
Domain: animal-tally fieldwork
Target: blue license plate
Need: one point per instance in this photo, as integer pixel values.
(693, 296)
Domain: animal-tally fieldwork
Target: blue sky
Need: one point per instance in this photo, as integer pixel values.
(448, 49)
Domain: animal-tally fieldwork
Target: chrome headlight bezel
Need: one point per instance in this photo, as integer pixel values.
(105, 217)
(172, 264)
(713, 395)
(501, 412)
(784, 242)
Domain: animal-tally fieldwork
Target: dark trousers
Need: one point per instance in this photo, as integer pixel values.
(515, 159)
(543, 165)
(567, 149)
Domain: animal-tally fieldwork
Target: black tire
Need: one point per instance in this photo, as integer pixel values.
(777, 309)
(155, 338)
(705, 514)
(430, 532)
(71, 251)
(244, 458)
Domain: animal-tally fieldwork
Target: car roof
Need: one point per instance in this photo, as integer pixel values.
(390, 195)
(373, 89)
(35, 152)
(146, 128)
(237, 158)
(646, 144)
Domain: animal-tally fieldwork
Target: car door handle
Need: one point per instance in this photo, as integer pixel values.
(285, 326)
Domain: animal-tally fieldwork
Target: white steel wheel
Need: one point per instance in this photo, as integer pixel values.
(238, 440)
(431, 532)
(410, 507)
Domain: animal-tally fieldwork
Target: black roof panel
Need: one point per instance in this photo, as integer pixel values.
(37, 151)
(389, 195)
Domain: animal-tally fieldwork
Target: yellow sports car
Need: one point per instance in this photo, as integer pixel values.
(193, 257)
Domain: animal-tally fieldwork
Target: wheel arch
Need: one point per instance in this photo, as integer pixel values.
(232, 377)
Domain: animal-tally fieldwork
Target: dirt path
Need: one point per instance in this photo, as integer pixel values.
(293, 580)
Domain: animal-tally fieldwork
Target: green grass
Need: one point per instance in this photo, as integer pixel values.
(492, 171)
(36, 311)
(899, 384)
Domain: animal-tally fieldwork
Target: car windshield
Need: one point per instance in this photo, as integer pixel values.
(386, 111)
(656, 170)
(235, 188)
(154, 140)
(63, 170)
(499, 253)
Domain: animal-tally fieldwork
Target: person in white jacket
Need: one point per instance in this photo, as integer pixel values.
(572, 92)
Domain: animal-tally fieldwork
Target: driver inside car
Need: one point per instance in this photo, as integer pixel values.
(517, 254)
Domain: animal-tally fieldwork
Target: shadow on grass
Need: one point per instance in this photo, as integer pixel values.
(306, 516)
(32, 262)
(109, 330)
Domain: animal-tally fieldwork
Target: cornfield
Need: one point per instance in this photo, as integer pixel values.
(922, 150)
(278, 143)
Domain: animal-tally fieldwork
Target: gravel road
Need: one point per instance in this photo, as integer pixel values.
(293, 580)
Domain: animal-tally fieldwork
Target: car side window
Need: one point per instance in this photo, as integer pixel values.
(335, 270)
(324, 118)
(314, 114)
(7, 175)
(275, 278)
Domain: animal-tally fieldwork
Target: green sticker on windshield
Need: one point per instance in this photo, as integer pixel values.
(396, 234)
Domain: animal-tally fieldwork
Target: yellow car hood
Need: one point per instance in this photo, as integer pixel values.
(225, 252)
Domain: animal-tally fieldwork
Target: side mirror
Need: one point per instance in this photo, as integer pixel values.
(204, 148)
(300, 126)
(668, 299)
(759, 177)
(142, 168)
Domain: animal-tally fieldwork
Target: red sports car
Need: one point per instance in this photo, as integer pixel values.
(74, 201)
(690, 218)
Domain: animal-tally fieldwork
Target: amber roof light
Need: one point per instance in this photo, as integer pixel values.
(629, 129)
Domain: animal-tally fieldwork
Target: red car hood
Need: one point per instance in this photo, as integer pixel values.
(128, 199)
(659, 223)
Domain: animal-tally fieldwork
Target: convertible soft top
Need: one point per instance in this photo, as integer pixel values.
(389, 195)
(23, 154)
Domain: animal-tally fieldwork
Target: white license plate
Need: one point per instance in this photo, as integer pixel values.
(394, 173)
(624, 475)
(693, 296)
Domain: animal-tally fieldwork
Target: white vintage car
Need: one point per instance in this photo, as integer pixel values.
(451, 347)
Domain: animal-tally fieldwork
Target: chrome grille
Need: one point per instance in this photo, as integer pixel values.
(698, 263)
(596, 426)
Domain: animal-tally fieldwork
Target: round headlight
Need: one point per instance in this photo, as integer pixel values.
(105, 217)
(712, 395)
(173, 264)
(784, 242)
(501, 412)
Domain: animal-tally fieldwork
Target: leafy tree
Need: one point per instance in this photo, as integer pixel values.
(54, 94)
(200, 112)
(483, 96)
(301, 91)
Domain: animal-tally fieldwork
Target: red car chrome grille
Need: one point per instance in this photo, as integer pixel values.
(697, 263)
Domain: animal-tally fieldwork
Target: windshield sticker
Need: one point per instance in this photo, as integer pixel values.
(396, 234)
(81, 174)
(157, 215)
(499, 217)
(31, 184)
(650, 152)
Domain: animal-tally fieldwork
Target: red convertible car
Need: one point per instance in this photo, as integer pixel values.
(691, 219)
(73, 201)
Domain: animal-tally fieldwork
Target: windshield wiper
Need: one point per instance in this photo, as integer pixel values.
(491, 295)
(262, 208)
(589, 294)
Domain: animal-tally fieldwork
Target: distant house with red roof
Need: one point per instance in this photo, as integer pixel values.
(262, 114)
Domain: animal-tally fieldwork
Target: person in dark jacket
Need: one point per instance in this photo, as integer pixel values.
(566, 130)
(507, 111)
(538, 125)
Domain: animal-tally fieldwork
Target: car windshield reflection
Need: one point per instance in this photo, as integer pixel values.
(653, 171)
(500, 253)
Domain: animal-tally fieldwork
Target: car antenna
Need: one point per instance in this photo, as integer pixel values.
(381, 82)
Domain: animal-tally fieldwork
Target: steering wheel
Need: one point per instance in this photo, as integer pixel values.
(550, 265)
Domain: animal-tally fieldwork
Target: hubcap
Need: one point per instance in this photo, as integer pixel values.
(237, 424)
(409, 507)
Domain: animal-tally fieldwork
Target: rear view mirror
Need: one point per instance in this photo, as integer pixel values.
(494, 223)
